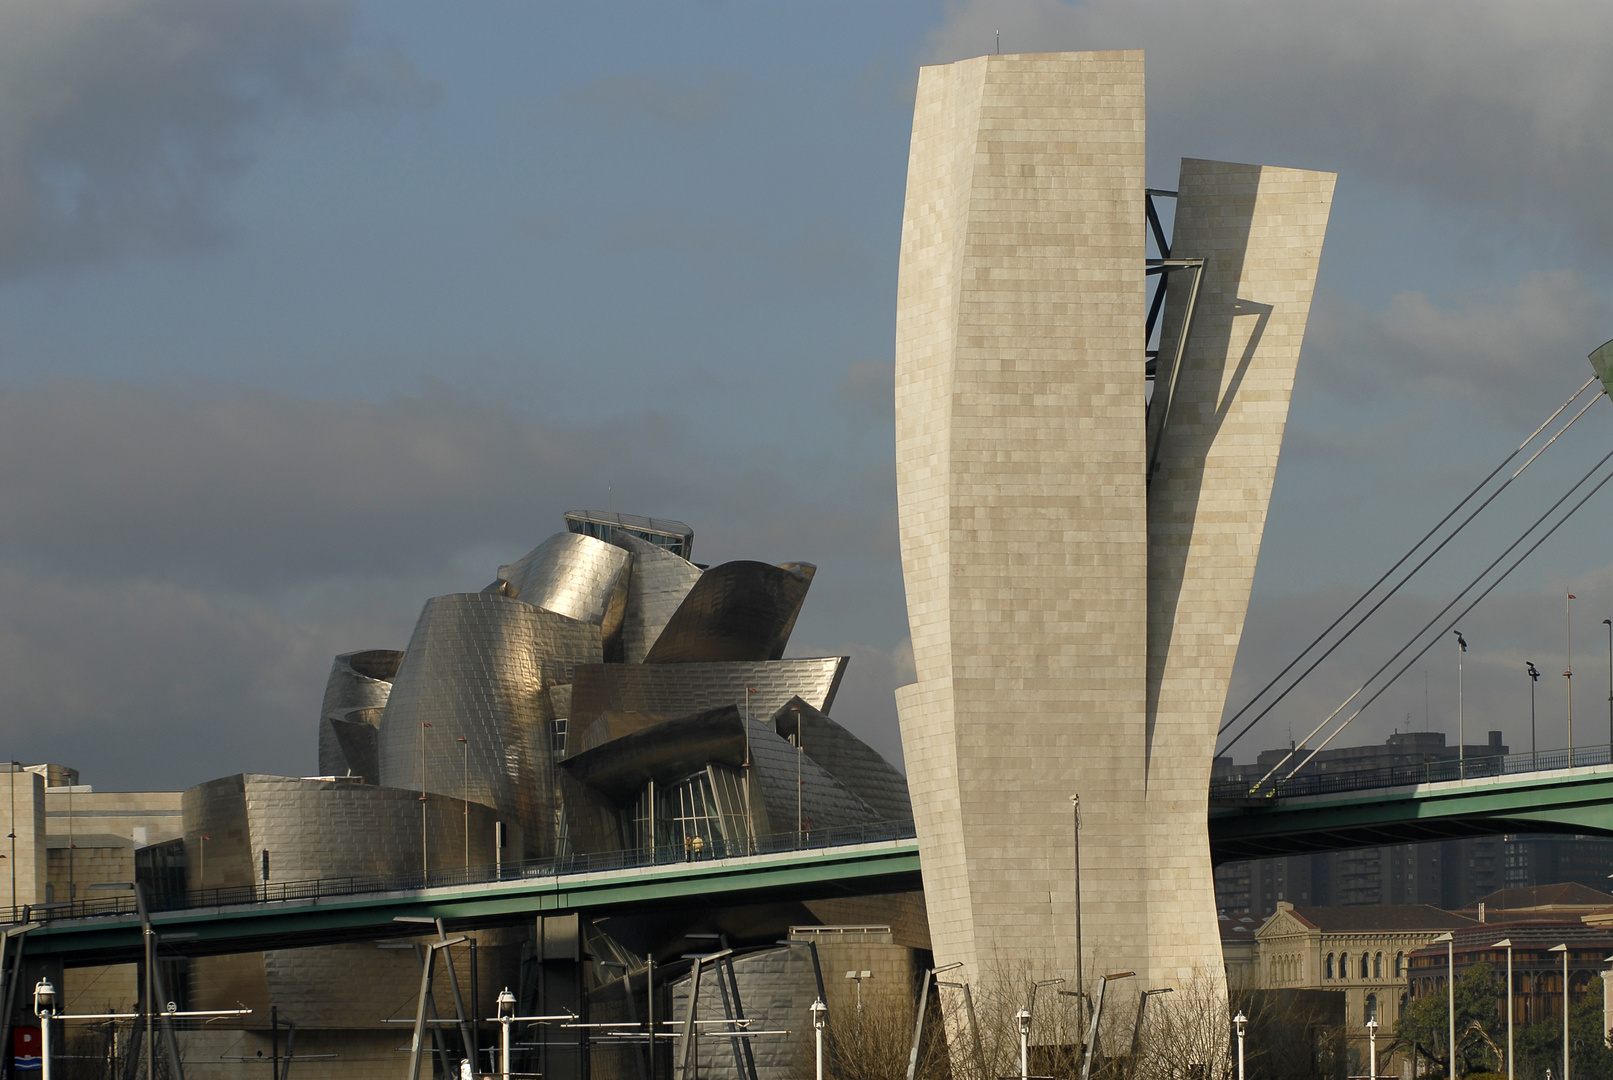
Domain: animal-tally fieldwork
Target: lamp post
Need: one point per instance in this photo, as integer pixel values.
(1449, 941)
(1461, 738)
(1080, 975)
(818, 1009)
(859, 976)
(1534, 677)
(1564, 950)
(799, 754)
(464, 794)
(45, 1009)
(1024, 1018)
(1372, 1048)
(1506, 943)
(1609, 624)
(506, 1016)
(1240, 1020)
(425, 861)
(1568, 673)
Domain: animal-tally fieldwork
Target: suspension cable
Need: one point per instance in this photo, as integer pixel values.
(1460, 615)
(1414, 570)
(1401, 561)
(1441, 614)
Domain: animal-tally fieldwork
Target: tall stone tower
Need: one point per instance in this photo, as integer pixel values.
(1077, 561)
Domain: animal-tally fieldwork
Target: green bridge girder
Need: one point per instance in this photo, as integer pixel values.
(1566, 801)
(814, 874)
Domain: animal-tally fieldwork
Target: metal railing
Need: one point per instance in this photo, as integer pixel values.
(1323, 782)
(407, 881)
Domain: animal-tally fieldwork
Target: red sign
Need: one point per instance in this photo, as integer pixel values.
(25, 1044)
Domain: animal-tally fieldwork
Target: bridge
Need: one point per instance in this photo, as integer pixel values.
(1315, 812)
(1442, 800)
(299, 914)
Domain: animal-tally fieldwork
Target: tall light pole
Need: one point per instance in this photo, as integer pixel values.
(1564, 950)
(1080, 974)
(1372, 1049)
(464, 792)
(201, 869)
(506, 1015)
(45, 1009)
(15, 765)
(425, 862)
(1240, 1020)
(1506, 943)
(1534, 677)
(1609, 624)
(799, 753)
(818, 1009)
(1461, 737)
(1568, 672)
(1024, 1018)
(1449, 941)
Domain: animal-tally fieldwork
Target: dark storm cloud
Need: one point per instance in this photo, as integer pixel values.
(124, 124)
(1490, 106)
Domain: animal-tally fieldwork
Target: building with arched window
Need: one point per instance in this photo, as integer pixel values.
(1359, 952)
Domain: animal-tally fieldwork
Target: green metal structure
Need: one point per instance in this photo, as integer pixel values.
(1571, 800)
(818, 873)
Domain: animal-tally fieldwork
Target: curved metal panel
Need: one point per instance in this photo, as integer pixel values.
(659, 583)
(319, 829)
(666, 691)
(570, 574)
(739, 611)
(847, 758)
(777, 773)
(477, 667)
(357, 680)
(662, 752)
(352, 736)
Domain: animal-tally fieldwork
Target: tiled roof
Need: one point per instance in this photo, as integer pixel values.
(1564, 894)
(1380, 917)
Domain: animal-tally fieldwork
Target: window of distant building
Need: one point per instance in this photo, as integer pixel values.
(1329, 968)
(1371, 1012)
(1400, 964)
(1377, 965)
(1366, 960)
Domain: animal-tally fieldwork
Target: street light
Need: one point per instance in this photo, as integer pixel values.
(1534, 677)
(1506, 943)
(506, 1016)
(45, 1009)
(1564, 950)
(859, 976)
(1568, 673)
(1024, 1018)
(1372, 1048)
(1461, 739)
(1240, 1020)
(1609, 624)
(1449, 941)
(818, 1009)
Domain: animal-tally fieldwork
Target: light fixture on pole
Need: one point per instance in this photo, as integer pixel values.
(1609, 624)
(45, 1009)
(464, 794)
(1461, 737)
(506, 1015)
(1568, 673)
(1080, 974)
(859, 976)
(1449, 941)
(1024, 1018)
(1534, 677)
(1564, 950)
(1372, 1049)
(425, 861)
(1506, 943)
(1240, 1020)
(818, 1009)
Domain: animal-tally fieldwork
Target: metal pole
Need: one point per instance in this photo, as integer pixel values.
(1565, 1012)
(1080, 974)
(1240, 1020)
(274, 1040)
(799, 752)
(1568, 673)
(465, 792)
(1450, 956)
(1512, 1061)
(1024, 1018)
(649, 1006)
(1534, 677)
(1609, 623)
(1372, 1049)
(14, 767)
(504, 1047)
(425, 864)
(1461, 736)
(818, 1008)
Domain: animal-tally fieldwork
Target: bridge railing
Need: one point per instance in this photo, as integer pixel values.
(561, 866)
(1321, 781)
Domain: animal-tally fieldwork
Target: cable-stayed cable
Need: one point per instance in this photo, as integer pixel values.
(1409, 574)
(1460, 615)
(1442, 612)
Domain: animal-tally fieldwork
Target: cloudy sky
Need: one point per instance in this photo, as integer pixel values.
(310, 311)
